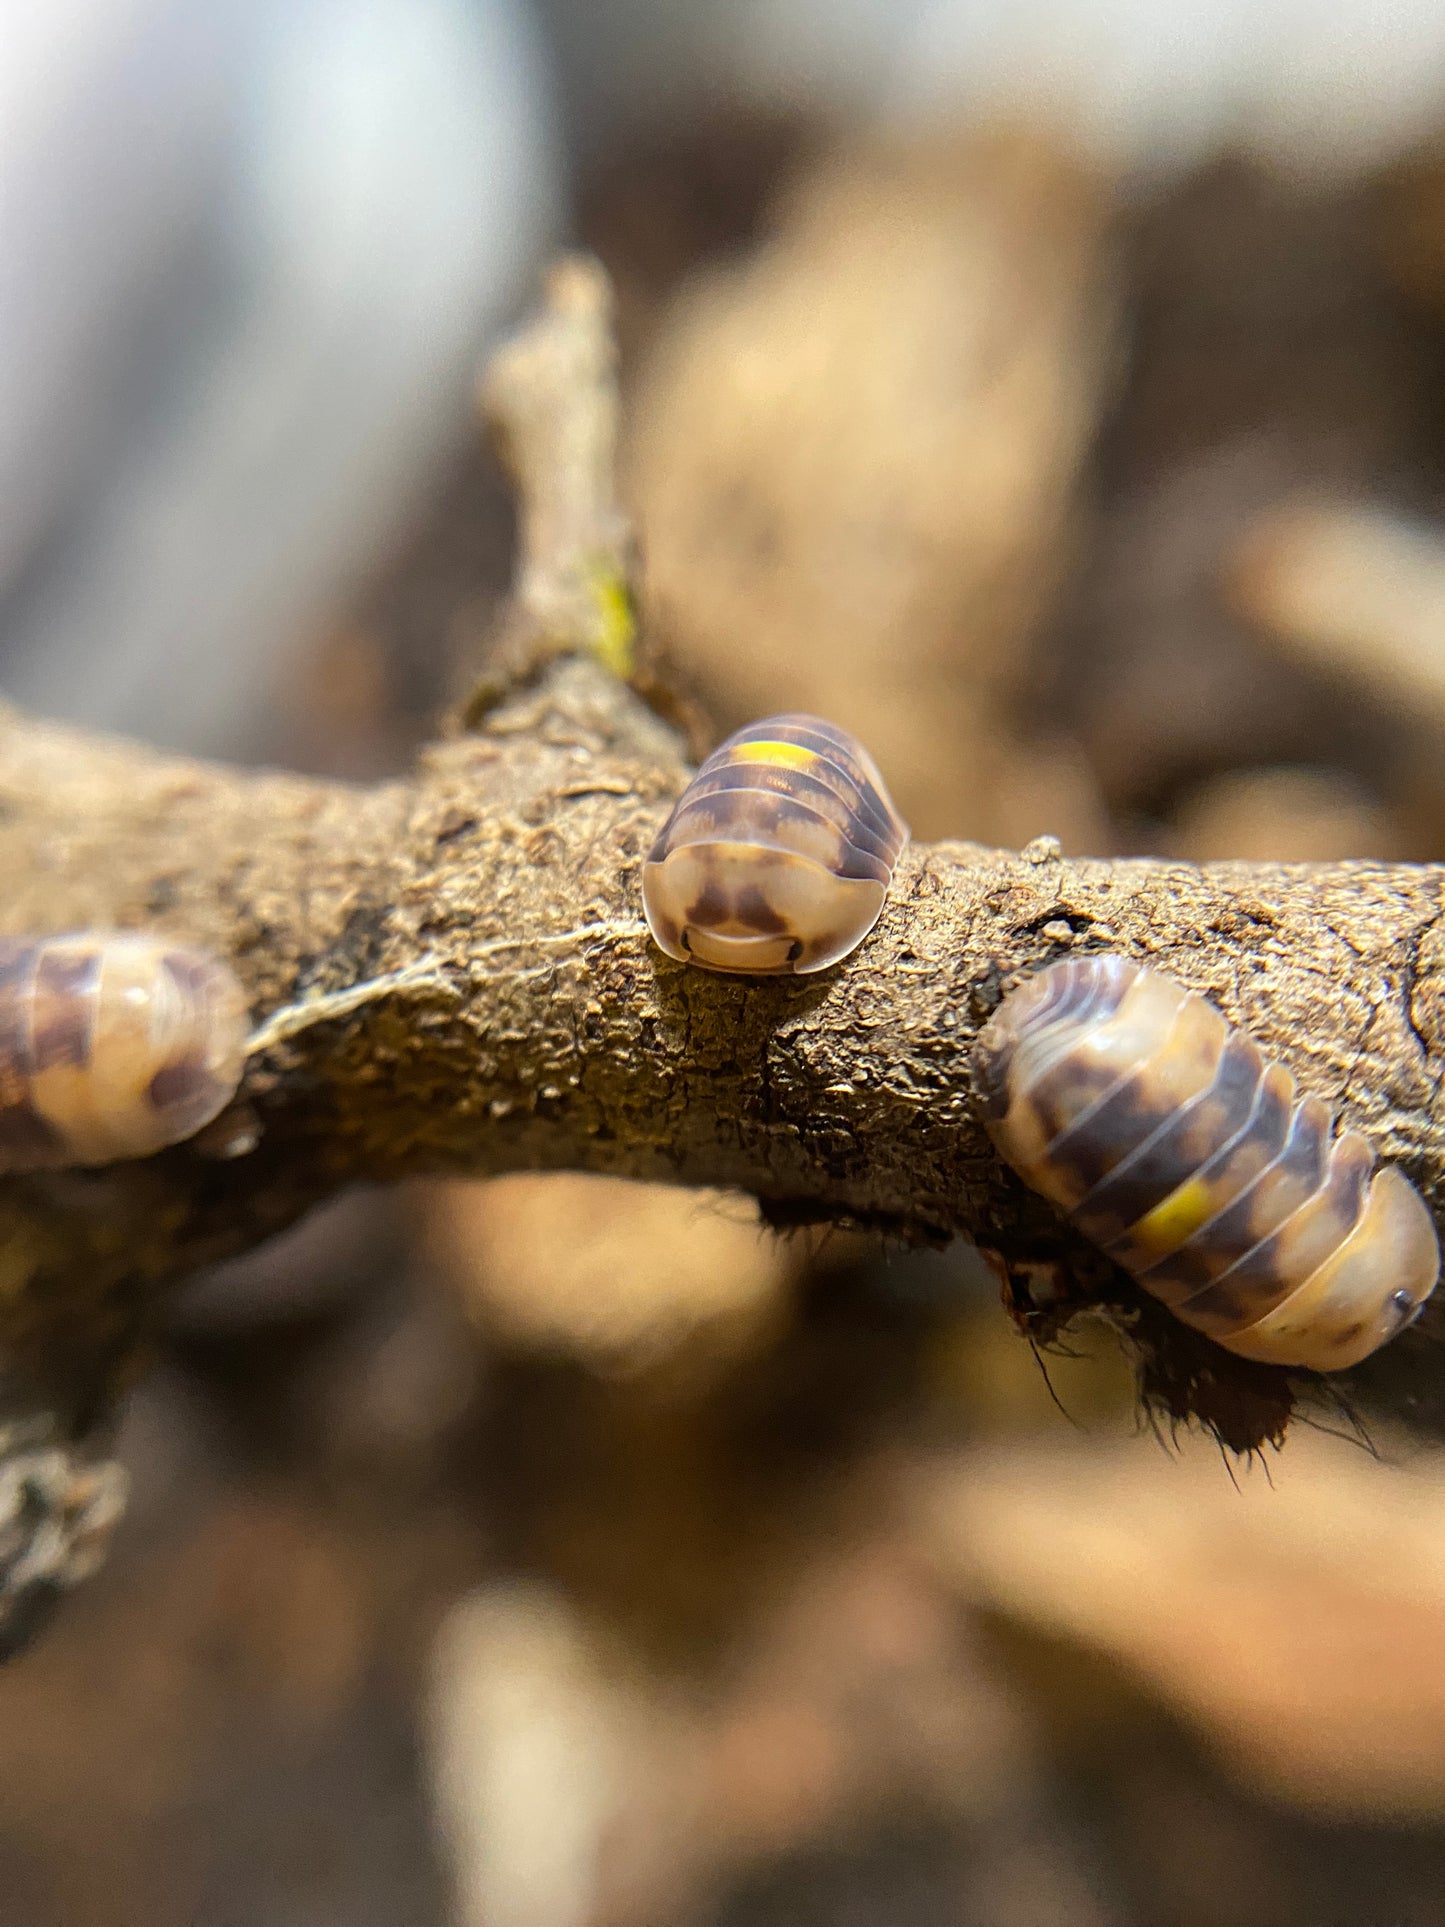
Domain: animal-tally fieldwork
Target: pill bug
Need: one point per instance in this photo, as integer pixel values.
(1169, 1140)
(778, 854)
(111, 1046)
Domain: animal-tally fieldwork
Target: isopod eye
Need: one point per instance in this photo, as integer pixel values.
(1406, 1308)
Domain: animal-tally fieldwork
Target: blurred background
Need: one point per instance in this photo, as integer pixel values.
(1056, 395)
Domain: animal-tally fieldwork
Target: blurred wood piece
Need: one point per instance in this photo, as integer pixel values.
(563, 1784)
(1270, 354)
(1352, 590)
(1410, 230)
(625, 1274)
(577, 1789)
(1295, 1618)
(854, 461)
(1286, 816)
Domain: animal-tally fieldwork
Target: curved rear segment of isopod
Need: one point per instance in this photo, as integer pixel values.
(777, 857)
(1197, 1165)
(202, 1051)
(1372, 1286)
(112, 1046)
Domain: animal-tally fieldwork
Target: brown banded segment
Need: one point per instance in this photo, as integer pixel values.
(1038, 1021)
(1260, 1209)
(1089, 993)
(111, 1046)
(855, 773)
(1182, 1142)
(62, 1008)
(199, 979)
(865, 805)
(760, 796)
(1362, 1295)
(1084, 1064)
(839, 763)
(839, 746)
(209, 1040)
(1180, 1066)
(1201, 1195)
(1198, 1167)
(740, 780)
(1079, 1157)
(1303, 1242)
(17, 974)
(798, 830)
(795, 726)
(766, 821)
(205, 1061)
(1322, 1222)
(778, 855)
(1081, 990)
(99, 1105)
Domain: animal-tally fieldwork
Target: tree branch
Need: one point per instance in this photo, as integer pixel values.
(549, 398)
(452, 974)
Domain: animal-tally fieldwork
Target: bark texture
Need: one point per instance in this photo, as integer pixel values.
(452, 973)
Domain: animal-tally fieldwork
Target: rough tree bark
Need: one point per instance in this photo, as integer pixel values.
(451, 973)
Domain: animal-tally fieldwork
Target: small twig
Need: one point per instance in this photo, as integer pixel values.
(549, 397)
(1352, 590)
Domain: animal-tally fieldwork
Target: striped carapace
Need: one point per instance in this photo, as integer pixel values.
(112, 1045)
(1169, 1140)
(778, 854)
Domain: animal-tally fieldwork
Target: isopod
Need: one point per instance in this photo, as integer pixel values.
(778, 855)
(111, 1046)
(1169, 1140)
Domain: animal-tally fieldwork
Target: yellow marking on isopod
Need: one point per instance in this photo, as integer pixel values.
(1177, 1218)
(780, 755)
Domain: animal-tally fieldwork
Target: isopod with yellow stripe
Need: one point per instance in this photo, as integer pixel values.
(777, 857)
(1170, 1140)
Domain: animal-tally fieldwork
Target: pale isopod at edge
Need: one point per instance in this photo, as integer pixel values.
(112, 1046)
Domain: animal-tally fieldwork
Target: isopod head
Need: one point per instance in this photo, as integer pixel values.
(1169, 1139)
(777, 857)
(111, 1046)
